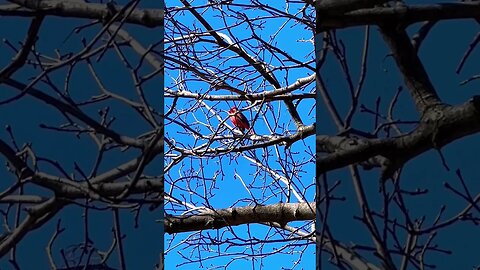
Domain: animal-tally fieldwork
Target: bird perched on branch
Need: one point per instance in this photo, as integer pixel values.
(239, 120)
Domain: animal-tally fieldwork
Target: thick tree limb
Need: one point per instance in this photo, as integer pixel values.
(80, 9)
(403, 14)
(342, 6)
(409, 64)
(19, 59)
(37, 216)
(216, 219)
(439, 127)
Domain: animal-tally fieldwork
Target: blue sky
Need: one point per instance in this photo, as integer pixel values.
(224, 175)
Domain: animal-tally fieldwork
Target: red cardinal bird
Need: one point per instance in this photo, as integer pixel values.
(239, 120)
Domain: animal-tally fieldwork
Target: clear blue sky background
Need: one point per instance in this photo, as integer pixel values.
(143, 244)
(440, 53)
(229, 189)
